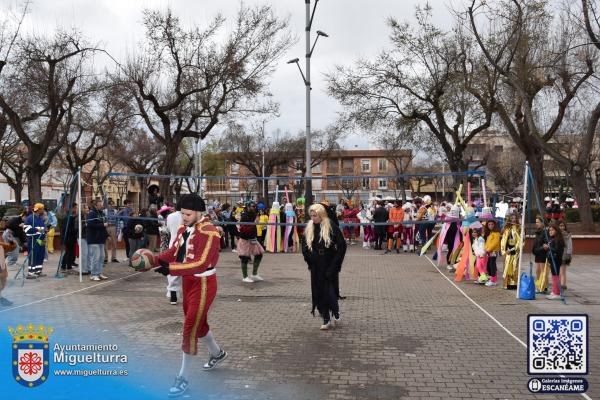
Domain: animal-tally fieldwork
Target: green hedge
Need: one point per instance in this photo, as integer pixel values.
(572, 214)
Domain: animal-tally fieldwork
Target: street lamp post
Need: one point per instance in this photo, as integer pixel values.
(199, 165)
(264, 182)
(309, 50)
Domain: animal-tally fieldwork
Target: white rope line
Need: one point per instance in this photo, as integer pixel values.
(522, 343)
(69, 293)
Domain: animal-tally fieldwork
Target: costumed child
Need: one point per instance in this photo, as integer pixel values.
(248, 246)
(396, 214)
(194, 256)
(349, 215)
(366, 217)
(510, 246)
(290, 236)
(452, 236)
(263, 218)
(324, 249)
(408, 237)
(273, 238)
(300, 217)
(492, 247)
(480, 256)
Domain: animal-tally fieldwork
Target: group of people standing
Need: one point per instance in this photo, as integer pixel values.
(389, 225)
(553, 250)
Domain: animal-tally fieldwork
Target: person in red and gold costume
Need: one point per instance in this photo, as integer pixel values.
(193, 256)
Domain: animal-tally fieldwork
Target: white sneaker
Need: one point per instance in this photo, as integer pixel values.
(449, 267)
(336, 321)
(326, 327)
(103, 277)
(553, 296)
(247, 280)
(490, 283)
(233, 250)
(256, 278)
(94, 278)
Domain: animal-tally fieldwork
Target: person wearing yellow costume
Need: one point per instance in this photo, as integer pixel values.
(510, 246)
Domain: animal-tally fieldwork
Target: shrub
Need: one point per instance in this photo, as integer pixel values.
(596, 213)
(572, 215)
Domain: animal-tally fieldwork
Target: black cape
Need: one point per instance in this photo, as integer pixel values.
(324, 264)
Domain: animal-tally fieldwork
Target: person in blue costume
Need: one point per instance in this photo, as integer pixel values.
(36, 241)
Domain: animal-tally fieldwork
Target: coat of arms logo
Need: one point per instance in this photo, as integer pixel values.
(30, 354)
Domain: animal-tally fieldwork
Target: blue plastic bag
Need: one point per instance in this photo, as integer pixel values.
(527, 285)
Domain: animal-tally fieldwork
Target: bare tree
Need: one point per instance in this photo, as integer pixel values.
(506, 170)
(42, 83)
(349, 187)
(12, 160)
(184, 81)
(10, 27)
(544, 62)
(397, 150)
(419, 80)
(95, 127)
(246, 147)
(324, 145)
(141, 155)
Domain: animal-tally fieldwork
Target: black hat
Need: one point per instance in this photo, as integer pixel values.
(191, 202)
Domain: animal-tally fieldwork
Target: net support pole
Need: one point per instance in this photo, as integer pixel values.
(81, 259)
(523, 212)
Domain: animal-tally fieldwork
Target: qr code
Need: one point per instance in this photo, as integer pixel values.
(557, 344)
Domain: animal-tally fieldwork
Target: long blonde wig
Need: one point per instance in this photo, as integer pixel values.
(325, 234)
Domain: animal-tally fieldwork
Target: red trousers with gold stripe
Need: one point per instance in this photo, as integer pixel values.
(198, 295)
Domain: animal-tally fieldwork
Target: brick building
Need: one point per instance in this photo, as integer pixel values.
(364, 166)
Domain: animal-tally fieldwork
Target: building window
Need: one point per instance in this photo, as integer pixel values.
(332, 166)
(234, 184)
(317, 168)
(383, 183)
(366, 183)
(348, 166)
(316, 184)
(365, 165)
(235, 168)
(299, 165)
(382, 164)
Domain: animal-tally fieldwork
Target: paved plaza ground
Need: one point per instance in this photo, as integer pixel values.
(408, 332)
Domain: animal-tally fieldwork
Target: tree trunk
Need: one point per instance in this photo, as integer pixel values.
(403, 188)
(167, 168)
(34, 186)
(582, 195)
(18, 191)
(536, 164)
(143, 193)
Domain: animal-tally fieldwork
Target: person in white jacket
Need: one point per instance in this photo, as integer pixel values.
(174, 221)
(481, 256)
(366, 217)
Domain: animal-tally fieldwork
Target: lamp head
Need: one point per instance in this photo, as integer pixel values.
(295, 60)
(321, 33)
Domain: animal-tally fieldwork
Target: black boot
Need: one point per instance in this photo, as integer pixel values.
(173, 297)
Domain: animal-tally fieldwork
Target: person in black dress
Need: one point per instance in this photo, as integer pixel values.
(324, 249)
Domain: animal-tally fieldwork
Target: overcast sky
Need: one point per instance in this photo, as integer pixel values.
(356, 28)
